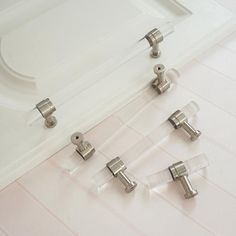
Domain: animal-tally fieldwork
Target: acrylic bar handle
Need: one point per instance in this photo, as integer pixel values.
(104, 176)
(192, 165)
(165, 129)
(161, 132)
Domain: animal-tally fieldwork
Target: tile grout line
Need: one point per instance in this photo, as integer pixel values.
(44, 207)
(208, 180)
(220, 144)
(226, 48)
(215, 70)
(207, 100)
(4, 231)
(111, 210)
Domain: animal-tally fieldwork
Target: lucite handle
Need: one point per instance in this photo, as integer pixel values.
(162, 177)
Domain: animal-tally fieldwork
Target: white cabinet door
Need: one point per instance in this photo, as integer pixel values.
(89, 59)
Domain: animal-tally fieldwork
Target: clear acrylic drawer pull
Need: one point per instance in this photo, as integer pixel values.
(179, 171)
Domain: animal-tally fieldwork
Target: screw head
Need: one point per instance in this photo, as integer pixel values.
(191, 194)
(131, 187)
(50, 122)
(196, 135)
(158, 68)
(76, 138)
(155, 54)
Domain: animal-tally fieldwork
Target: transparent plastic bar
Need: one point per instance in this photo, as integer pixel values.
(138, 47)
(158, 134)
(72, 163)
(33, 116)
(165, 30)
(191, 109)
(101, 178)
(163, 177)
(196, 163)
(162, 131)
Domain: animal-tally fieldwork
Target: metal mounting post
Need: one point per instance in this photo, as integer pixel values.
(117, 168)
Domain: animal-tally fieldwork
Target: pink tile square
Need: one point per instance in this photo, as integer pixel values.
(21, 214)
